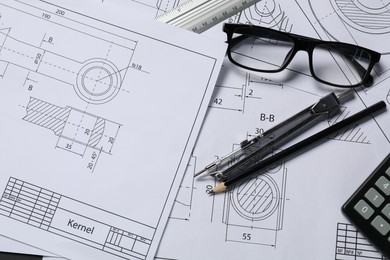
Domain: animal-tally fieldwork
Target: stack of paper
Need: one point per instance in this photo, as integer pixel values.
(101, 104)
(100, 115)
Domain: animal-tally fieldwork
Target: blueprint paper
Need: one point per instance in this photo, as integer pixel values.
(98, 122)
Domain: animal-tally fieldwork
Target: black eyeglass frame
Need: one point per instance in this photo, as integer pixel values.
(300, 43)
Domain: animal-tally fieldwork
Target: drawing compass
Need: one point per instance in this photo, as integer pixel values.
(254, 150)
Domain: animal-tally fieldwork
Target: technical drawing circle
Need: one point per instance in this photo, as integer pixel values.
(367, 16)
(372, 6)
(90, 79)
(97, 81)
(274, 168)
(260, 12)
(359, 22)
(256, 199)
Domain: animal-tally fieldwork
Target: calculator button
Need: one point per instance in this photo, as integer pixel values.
(373, 196)
(364, 209)
(386, 211)
(388, 171)
(383, 184)
(381, 225)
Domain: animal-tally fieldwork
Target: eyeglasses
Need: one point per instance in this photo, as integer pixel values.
(266, 50)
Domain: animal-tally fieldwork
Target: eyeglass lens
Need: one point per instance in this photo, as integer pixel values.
(268, 51)
(340, 65)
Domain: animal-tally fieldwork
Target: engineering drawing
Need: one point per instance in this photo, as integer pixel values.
(78, 132)
(351, 245)
(267, 13)
(246, 219)
(183, 202)
(254, 209)
(76, 129)
(44, 209)
(362, 23)
(96, 76)
(74, 79)
(253, 213)
(366, 16)
(248, 215)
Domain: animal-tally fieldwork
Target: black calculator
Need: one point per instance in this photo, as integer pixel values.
(369, 208)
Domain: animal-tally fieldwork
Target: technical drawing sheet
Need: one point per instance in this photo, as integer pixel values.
(13, 246)
(293, 210)
(98, 124)
(302, 217)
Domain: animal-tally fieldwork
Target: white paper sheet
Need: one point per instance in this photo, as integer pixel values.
(98, 127)
(306, 223)
(305, 220)
(10, 245)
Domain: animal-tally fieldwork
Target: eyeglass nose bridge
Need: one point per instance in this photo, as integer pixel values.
(301, 43)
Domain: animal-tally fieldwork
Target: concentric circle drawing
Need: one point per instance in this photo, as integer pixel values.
(261, 12)
(373, 6)
(268, 13)
(370, 16)
(98, 81)
(257, 198)
(352, 21)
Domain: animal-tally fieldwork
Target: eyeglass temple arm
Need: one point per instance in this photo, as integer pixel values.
(359, 68)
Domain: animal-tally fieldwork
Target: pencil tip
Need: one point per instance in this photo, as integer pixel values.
(220, 187)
